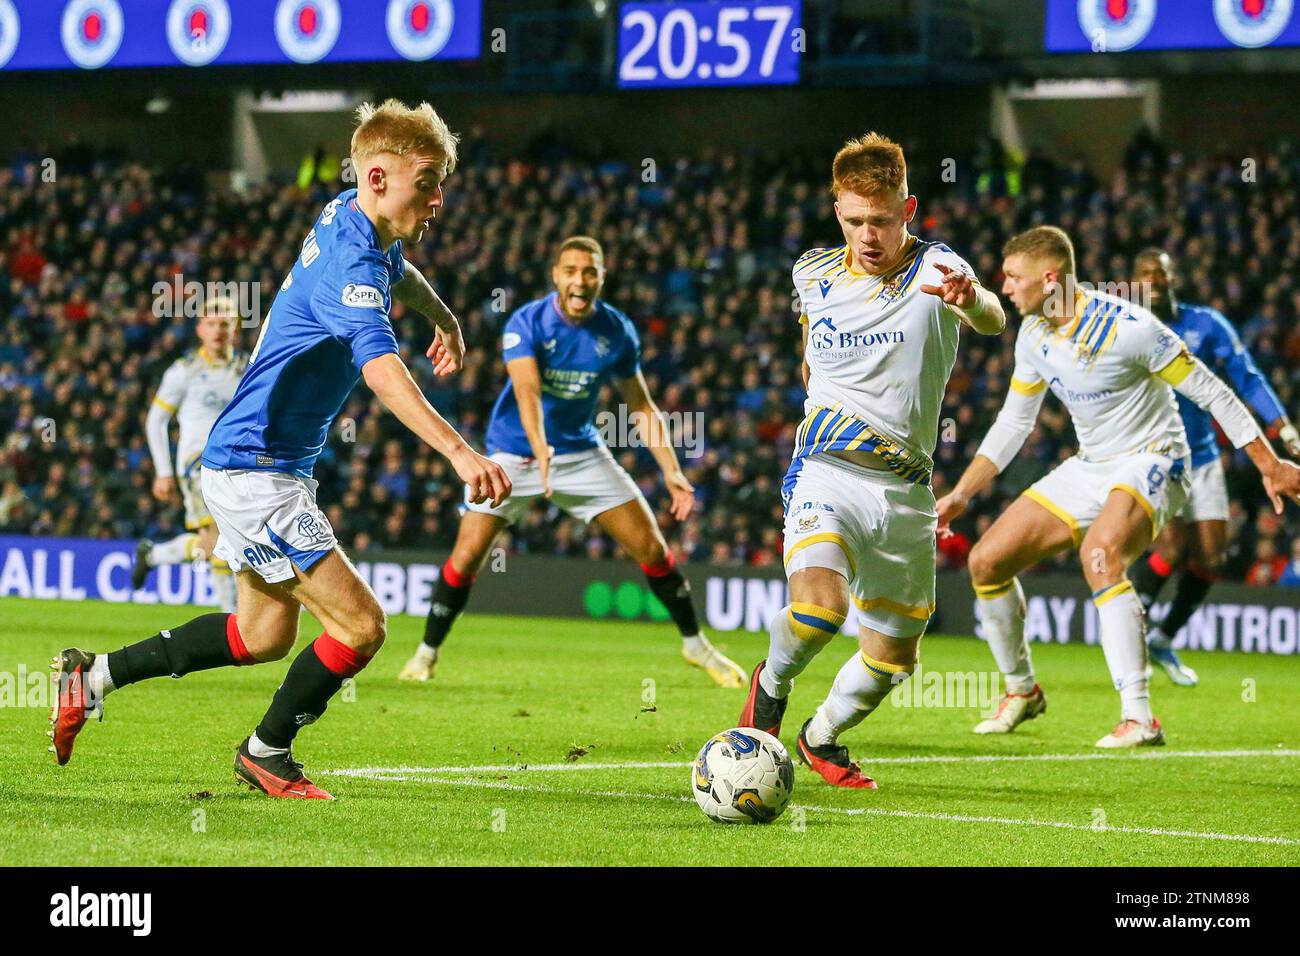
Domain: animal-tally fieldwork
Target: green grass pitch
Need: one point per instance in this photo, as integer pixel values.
(569, 742)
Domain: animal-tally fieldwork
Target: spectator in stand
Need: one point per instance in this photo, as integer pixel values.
(1269, 565)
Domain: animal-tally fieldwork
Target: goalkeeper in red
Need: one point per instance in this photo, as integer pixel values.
(328, 326)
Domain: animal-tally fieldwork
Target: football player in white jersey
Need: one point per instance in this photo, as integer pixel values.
(1115, 367)
(194, 389)
(882, 315)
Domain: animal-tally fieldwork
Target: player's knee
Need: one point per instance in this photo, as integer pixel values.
(1102, 557)
(371, 630)
(984, 565)
(1208, 564)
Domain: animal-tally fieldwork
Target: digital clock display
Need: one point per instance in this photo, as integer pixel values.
(709, 44)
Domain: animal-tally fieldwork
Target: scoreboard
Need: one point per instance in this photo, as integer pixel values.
(709, 44)
(98, 34)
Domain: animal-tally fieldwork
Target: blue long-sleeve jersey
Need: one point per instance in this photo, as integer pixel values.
(1212, 339)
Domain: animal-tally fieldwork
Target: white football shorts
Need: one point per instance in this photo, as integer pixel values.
(584, 484)
(1207, 500)
(267, 521)
(1076, 490)
(873, 527)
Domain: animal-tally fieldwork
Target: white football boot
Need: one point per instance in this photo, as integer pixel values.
(1133, 733)
(722, 669)
(422, 665)
(1013, 711)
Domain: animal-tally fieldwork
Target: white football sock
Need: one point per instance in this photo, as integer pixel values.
(797, 634)
(259, 749)
(223, 585)
(424, 653)
(176, 551)
(1121, 620)
(859, 687)
(1002, 615)
(99, 680)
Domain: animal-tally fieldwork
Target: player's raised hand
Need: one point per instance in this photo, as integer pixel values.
(957, 288)
(950, 507)
(164, 488)
(1281, 482)
(483, 476)
(447, 353)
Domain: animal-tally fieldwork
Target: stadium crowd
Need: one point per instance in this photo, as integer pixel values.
(700, 258)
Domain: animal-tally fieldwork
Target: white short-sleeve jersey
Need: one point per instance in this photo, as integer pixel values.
(879, 353)
(1100, 365)
(195, 388)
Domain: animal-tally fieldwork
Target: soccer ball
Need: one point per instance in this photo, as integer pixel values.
(742, 776)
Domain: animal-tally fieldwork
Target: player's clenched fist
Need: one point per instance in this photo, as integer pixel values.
(483, 476)
(164, 488)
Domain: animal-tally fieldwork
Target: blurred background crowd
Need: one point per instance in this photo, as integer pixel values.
(698, 252)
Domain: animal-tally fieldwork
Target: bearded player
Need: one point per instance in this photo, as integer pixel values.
(328, 326)
(1116, 368)
(1193, 544)
(559, 351)
(195, 389)
(882, 316)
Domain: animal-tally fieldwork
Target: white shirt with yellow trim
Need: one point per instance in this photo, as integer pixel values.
(195, 389)
(1112, 367)
(879, 350)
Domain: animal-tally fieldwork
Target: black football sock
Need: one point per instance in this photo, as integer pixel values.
(315, 676)
(674, 591)
(200, 645)
(450, 595)
(1192, 588)
(1148, 577)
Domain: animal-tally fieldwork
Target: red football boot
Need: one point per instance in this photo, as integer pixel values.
(832, 763)
(278, 775)
(73, 702)
(762, 710)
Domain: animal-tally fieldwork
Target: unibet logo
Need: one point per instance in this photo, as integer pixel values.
(362, 296)
(629, 601)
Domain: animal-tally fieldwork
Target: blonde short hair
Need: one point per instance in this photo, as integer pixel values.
(1043, 242)
(871, 165)
(394, 127)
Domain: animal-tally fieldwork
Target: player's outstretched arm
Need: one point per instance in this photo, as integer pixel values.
(389, 379)
(1014, 424)
(979, 474)
(526, 378)
(447, 353)
(1191, 378)
(643, 410)
(973, 304)
(155, 430)
(1252, 385)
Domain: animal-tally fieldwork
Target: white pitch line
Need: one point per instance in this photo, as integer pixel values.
(842, 811)
(869, 761)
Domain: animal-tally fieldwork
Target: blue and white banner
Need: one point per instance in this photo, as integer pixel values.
(1114, 26)
(97, 34)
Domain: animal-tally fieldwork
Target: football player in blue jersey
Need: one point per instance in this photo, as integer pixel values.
(328, 326)
(559, 351)
(1194, 544)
